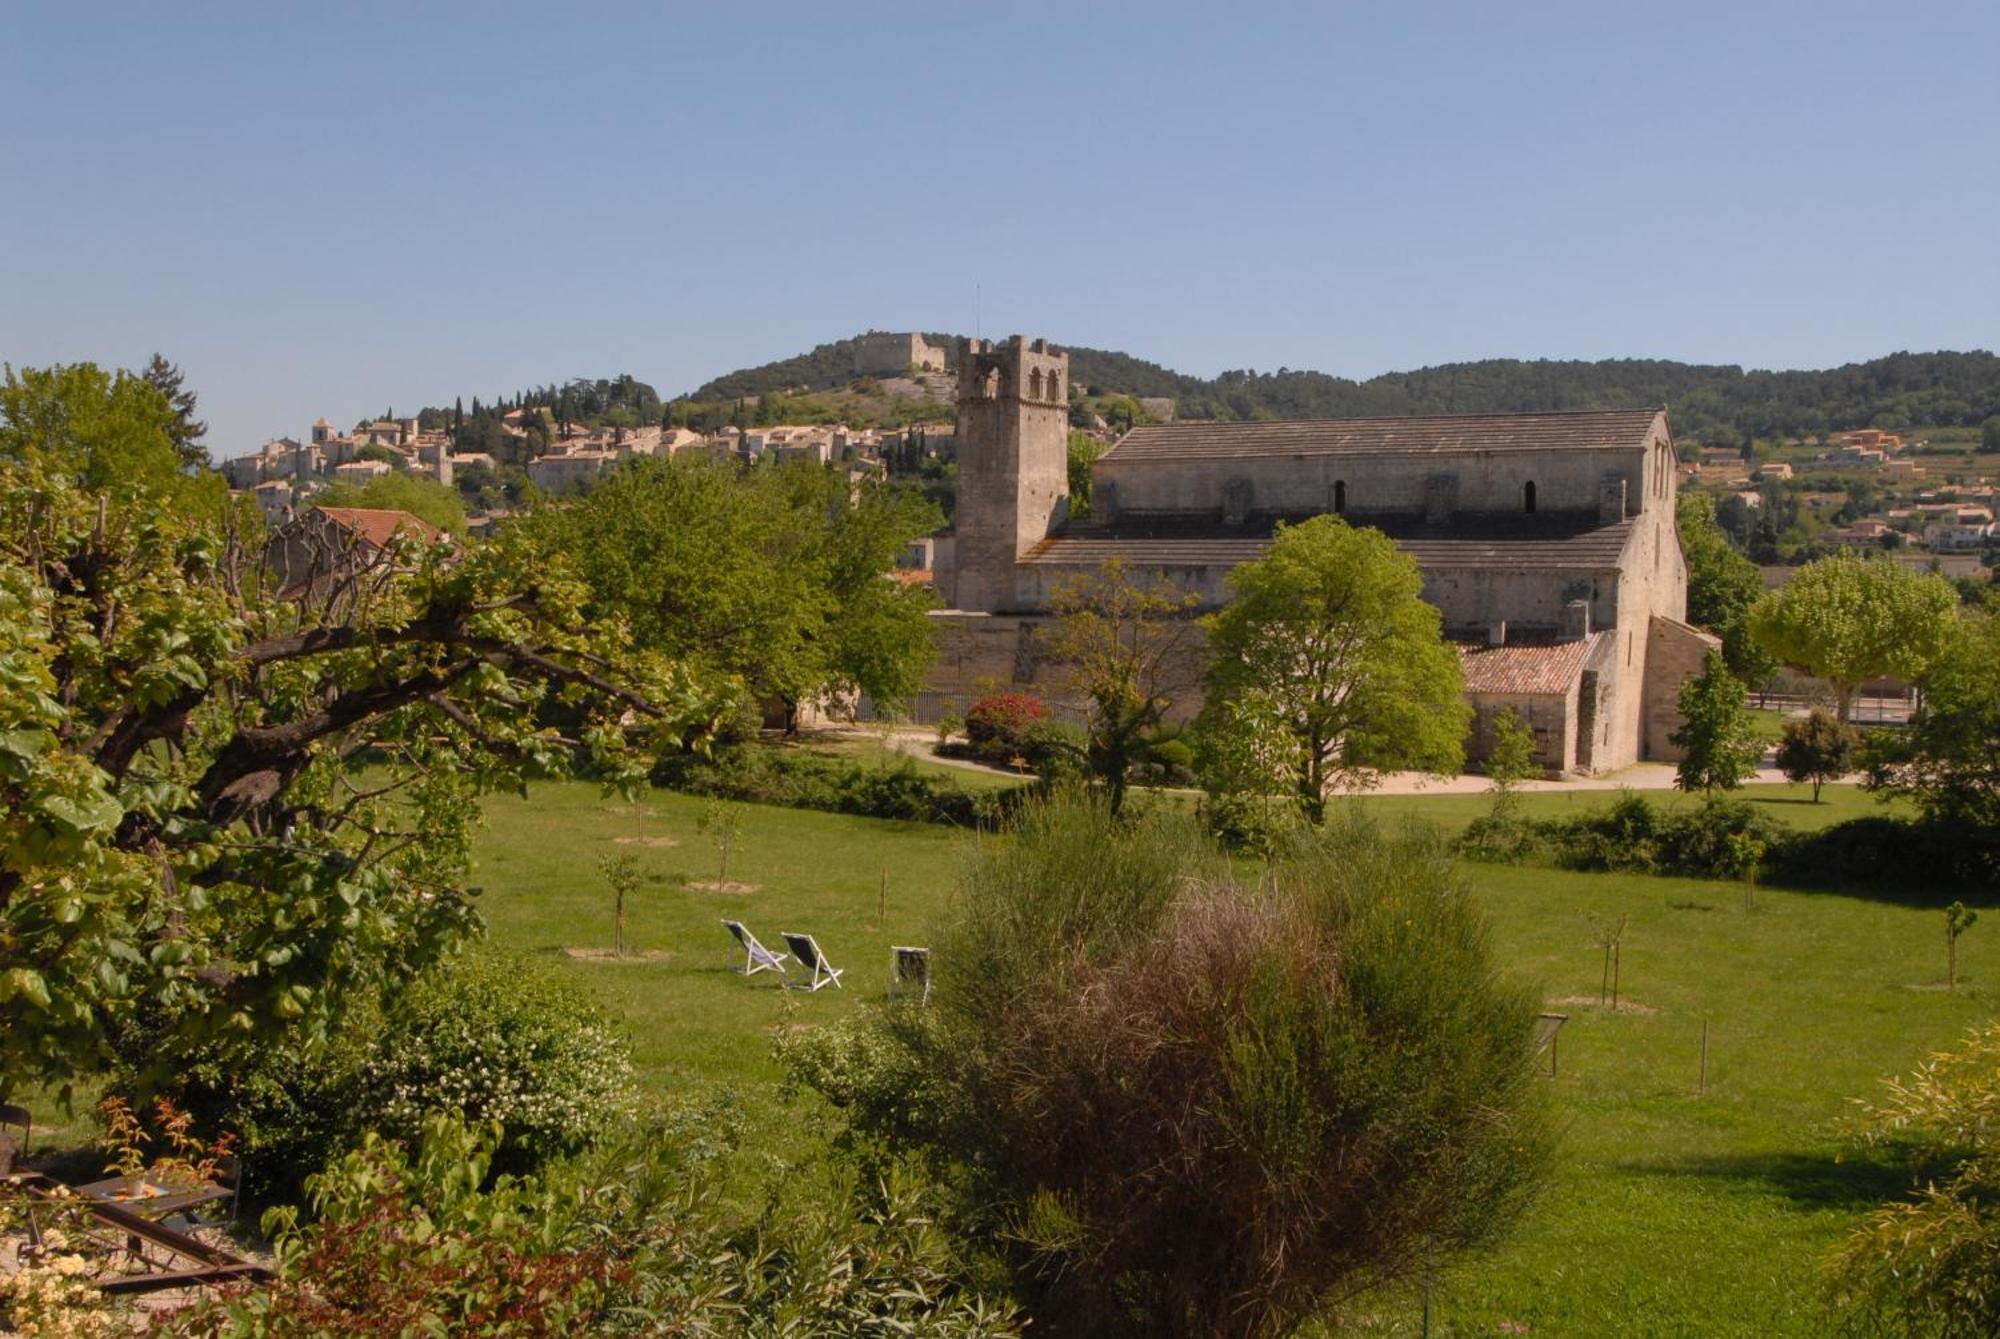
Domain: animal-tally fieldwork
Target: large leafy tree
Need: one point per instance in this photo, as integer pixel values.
(1132, 648)
(186, 430)
(1328, 649)
(1949, 761)
(188, 835)
(1850, 619)
(1722, 586)
(778, 575)
(108, 431)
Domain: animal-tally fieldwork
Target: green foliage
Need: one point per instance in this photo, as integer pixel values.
(103, 431)
(1848, 620)
(1949, 760)
(1084, 450)
(1722, 586)
(774, 575)
(1989, 435)
(180, 829)
(424, 498)
(497, 1039)
(1717, 404)
(1129, 647)
(1925, 1265)
(1511, 760)
(425, 1238)
(185, 430)
(1719, 747)
(1720, 839)
(1327, 652)
(798, 780)
(1817, 748)
(1157, 1102)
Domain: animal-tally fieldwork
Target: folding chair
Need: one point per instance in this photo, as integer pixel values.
(806, 949)
(1547, 1026)
(756, 958)
(911, 968)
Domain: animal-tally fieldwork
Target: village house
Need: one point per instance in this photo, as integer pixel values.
(1547, 541)
(323, 546)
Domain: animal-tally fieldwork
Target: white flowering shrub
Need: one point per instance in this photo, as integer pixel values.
(504, 1039)
(48, 1293)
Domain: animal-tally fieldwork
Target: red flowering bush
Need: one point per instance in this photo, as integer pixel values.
(999, 723)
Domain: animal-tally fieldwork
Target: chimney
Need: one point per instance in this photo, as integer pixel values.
(1496, 632)
(1575, 621)
(1611, 499)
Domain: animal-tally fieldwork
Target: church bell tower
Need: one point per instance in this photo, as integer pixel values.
(1013, 463)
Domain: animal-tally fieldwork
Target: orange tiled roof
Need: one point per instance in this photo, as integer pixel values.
(1526, 669)
(379, 525)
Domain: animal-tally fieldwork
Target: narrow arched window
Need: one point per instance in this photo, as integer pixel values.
(1035, 384)
(1528, 497)
(1055, 385)
(1339, 496)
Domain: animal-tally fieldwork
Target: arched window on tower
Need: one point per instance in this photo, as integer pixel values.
(1035, 384)
(1528, 497)
(1339, 497)
(1055, 384)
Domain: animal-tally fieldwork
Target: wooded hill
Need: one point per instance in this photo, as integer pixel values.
(1715, 404)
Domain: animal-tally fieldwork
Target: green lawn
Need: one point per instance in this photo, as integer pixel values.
(1673, 1213)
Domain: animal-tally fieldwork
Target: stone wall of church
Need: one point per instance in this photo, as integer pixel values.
(1490, 482)
(1677, 654)
(1551, 716)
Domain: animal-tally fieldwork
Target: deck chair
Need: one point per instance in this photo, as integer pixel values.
(756, 958)
(909, 969)
(1547, 1026)
(806, 949)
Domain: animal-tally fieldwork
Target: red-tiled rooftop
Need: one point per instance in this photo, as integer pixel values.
(1443, 434)
(1526, 669)
(377, 526)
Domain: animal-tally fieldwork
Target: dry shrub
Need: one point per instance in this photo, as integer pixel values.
(1190, 1105)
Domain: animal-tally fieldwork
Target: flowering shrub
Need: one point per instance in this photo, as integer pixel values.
(498, 1038)
(998, 724)
(51, 1295)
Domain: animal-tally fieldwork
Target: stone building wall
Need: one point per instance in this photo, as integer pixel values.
(1551, 716)
(881, 354)
(1492, 483)
(1677, 654)
(1013, 464)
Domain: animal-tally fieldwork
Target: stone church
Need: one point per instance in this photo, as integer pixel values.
(1546, 540)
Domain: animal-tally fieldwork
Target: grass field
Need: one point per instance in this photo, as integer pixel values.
(1674, 1213)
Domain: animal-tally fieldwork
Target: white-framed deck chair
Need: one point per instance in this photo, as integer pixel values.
(756, 958)
(806, 949)
(910, 969)
(1547, 1028)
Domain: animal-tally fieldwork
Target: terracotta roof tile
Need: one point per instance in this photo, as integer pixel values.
(377, 526)
(1526, 669)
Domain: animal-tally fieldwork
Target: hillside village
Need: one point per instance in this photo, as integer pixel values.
(883, 407)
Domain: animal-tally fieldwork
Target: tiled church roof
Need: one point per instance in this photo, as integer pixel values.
(1445, 434)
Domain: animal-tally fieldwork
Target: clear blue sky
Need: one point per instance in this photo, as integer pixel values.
(331, 208)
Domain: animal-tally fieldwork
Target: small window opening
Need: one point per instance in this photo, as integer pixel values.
(1528, 497)
(1035, 384)
(1339, 496)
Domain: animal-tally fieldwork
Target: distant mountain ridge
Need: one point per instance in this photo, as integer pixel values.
(1721, 404)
